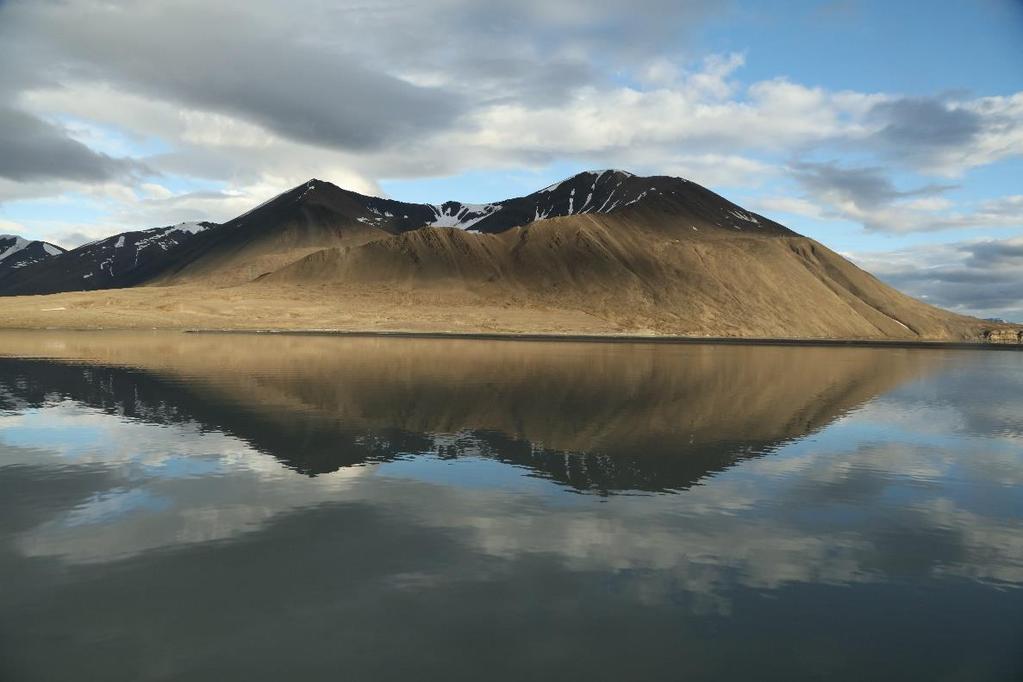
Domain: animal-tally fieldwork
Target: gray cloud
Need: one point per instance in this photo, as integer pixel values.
(33, 149)
(983, 278)
(349, 75)
(926, 121)
(868, 196)
(920, 129)
(1003, 254)
(867, 187)
(239, 63)
(621, 31)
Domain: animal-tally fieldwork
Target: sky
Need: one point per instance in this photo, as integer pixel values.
(891, 132)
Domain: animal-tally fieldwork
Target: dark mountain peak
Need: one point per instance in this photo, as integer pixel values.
(614, 174)
(11, 244)
(315, 186)
(310, 191)
(602, 191)
(664, 199)
(16, 252)
(318, 213)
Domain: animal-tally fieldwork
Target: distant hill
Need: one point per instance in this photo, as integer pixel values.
(122, 260)
(657, 253)
(17, 253)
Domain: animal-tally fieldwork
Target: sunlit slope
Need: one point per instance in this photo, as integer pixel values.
(670, 275)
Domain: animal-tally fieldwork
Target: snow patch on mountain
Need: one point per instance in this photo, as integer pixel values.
(462, 216)
(742, 215)
(18, 244)
(191, 228)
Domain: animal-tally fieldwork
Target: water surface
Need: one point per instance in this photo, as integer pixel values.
(265, 508)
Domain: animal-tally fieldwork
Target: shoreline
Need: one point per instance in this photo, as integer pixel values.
(621, 338)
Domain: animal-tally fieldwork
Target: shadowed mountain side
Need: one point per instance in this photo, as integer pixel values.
(666, 274)
(281, 231)
(319, 214)
(630, 417)
(17, 253)
(123, 260)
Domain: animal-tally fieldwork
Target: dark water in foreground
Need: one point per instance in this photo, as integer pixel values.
(248, 508)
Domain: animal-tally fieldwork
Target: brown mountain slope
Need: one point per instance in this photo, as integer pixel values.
(603, 252)
(643, 271)
(301, 221)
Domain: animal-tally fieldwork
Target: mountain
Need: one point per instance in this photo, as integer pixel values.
(610, 192)
(122, 260)
(318, 215)
(17, 253)
(669, 276)
(600, 250)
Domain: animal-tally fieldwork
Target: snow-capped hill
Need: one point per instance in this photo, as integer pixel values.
(120, 260)
(614, 191)
(17, 252)
(11, 244)
(599, 191)
(319, 215)
(125, 251)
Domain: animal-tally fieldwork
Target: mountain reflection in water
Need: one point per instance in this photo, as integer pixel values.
(247, 507)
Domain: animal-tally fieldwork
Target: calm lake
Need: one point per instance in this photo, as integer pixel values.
(242, 507)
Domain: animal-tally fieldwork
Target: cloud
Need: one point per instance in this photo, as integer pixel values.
(357, 91)
(32, 149)
(863, 187)
(719, 170)
(942, 135)
(925, 127)
(868, 196)
(310, 92)
(978, 277)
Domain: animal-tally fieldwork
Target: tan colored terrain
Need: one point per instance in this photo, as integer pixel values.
(588, 274)
(291, 307)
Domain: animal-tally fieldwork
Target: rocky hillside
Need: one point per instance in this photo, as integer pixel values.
(677, 276)
(123, 260)
(633, 254)
(318, 215)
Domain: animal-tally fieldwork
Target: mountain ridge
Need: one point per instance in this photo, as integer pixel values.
(318, 214)
(655, 253)
(17, 252)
